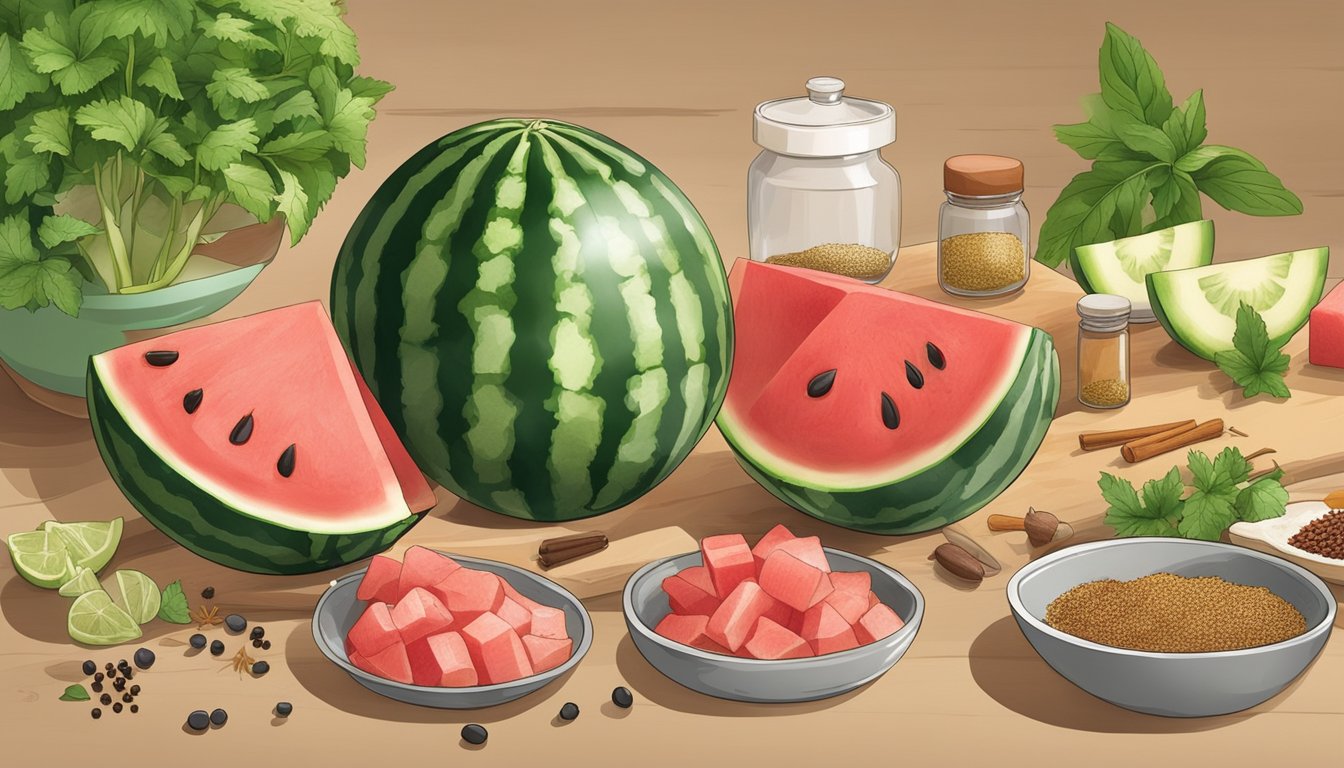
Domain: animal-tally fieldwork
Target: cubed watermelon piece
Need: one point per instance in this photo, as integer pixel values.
(496, 650)
(698, 577)
(391, 663)
(546, 652)
(468, 593)
(827, 631)
(517, 596)
(790, 580)
(380, 581)
(769, 640)
(517, 616)
(688, 599)
(873, 599)
(732, 623)
(422, 567)
(1325, 330)
(373, 631)
(688, 630)
(857, 582)
(549, 622)
(879, 622)
(808, 549)
(442, 660)
(420, 614)
(850, 605)
(729, 561)
(772, 538)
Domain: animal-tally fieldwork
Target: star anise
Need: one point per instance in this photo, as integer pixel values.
(206, 617)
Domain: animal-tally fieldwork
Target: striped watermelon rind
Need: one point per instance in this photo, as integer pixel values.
(929, 497)
(208, 525)
(542, 314)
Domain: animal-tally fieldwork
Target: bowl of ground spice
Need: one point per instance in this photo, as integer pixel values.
(1173, 627)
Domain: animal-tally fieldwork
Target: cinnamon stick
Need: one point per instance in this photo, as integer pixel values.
(1156, 445)
(1091, 441)
(562, 543)
(553, 559)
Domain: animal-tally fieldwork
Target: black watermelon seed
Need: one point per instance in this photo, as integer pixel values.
(90, 668)
(197, 641)
(284, 709)
(257, 632)
(219, 717)
(208, 593)
(890, 416)
(913, 375)
(622, 697)
(474, 734)
(936, 358)
(96, 713)
(144, 658)
(192, 400)
(160, 358)
(286, 463)
(235, 623)
(198, 720)
(216, 648)
(570, 711)
(260, 668)
(242, 431)
(821, 383)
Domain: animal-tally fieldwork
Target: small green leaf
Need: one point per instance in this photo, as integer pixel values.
(173, 605)
(124, 122)
(64, 228)
(73, 73)
(252, 189)
(1186, 207)
(75, 693)
(16, 242)
(226, 26)
(25, 176)
(1084, 211)
(292, 201)
(349, 124)
(17, 78)
(369, 87)
(166, 145)
(29, 281)
(299, 106)
(1201, 470)
(300, 146)
(227, 144)
(1230, 468)
(1131, 81)
(236, 83)
(1239, 182)
(51, 131)
(1255, 363)
(1162, 498)
(1148, 140)
(312, 19)
(160, 76)
(158, 20)
(1206, 516)
(1261, 500)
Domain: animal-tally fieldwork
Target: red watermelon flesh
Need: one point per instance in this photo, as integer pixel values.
(468, 593)
(698, 576)
(517, 596)
(736, 617)
(688, 599)
(808, 550)
(773, 538)
(790, 580)
(688, 630)
(545, 653)
(441, 660)
(380, 581)
(879, 622)
(496, 650)
(373, 631)
(850, 605)
(515, 616)
(421, 567)
(857, 582)
(771, 641)
(1325, 330)
(390, 663)
(827, 630)
(549, 622)
(729, 561)
(420, 614)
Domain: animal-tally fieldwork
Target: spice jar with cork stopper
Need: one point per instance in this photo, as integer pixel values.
(1103, 350)
(984, 230)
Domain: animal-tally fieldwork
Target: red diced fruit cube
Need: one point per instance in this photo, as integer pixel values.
(736, 617)
(773, 538)
(549, 622)
(442, 660)
(873, 599)
(373, 631)
(688, 599)
(420, 614)
(879, 622)
(827, 631)
(380, 581)
(808, 550)
(771, 641)
(729, 561)
(698, 577)
(546, 652)
(517, 596)
(468, 593)
(688, 630)
(792, 581)
(390, 663)
(423, 568)
(496, 650)
(1325, 330)
(851, 606)
(856, 582)
(516, 616)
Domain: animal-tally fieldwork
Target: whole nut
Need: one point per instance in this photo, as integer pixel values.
(959, 562)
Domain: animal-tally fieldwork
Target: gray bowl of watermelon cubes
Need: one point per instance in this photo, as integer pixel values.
(769, 680)
(338, 608)
(1171, 684)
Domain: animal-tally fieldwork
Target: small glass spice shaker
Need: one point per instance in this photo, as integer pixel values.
(1103, 350)
(984, 231)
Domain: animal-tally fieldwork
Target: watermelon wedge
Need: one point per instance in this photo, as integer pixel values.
(876, 410)
(253, 443)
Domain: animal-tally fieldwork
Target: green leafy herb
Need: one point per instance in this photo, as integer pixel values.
(126, 126)
(1255, 363)
(1149, 161)
(75, 693)
(1221, 493)
(173, 607)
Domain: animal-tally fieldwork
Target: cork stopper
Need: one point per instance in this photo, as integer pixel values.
(982, 175)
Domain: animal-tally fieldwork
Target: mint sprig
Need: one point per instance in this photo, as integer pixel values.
(173, 605)
(1255, 362)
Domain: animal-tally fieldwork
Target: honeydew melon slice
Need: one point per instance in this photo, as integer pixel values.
(1120, 266)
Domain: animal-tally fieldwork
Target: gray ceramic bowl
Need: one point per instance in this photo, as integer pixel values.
(338, 609)
(754, 680)
(1171, 684)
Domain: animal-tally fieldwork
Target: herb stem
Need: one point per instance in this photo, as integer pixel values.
(130, 64)
(179, 262)
(109, 198)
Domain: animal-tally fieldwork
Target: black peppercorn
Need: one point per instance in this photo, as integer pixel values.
(216, 647)
(96, 713)
(105, 699)
(90, 667)
(474, 734)
(208, 593)
(197, 641)
(622, 697)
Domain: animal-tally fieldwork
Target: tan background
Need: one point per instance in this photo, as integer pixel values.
(677, 81)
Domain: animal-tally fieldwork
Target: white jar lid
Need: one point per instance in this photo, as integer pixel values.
(1104, 311)
(825, 123)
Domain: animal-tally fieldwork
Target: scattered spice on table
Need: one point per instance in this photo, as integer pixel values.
(848, 259)
(144, 658)
(241, 662)
(206, 617)
(1167, 613)
(197, 641)
(982, 261)
(622, 697)
(219, 717)
(235, 623)
(208, 593)
(570, 711)
(1323, 536)
(198, 720)
(284, 709)
(1105, 392)
(216, 648)
(474, 734)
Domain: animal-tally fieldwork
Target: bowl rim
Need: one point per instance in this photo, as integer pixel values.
(634, 622)
(1082, 550)
(577, 655)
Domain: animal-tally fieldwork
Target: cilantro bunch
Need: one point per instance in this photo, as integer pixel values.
(133, 130)
(1222, 494)
(1149, 161)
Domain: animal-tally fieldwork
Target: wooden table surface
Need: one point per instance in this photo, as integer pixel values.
(970, 690)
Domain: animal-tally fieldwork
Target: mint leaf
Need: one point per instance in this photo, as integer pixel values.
(160, 76)
(1131, 81)
(124, 121)
(1254, 363)
(173, 605)
(1148, 141)
(226, 26)
(299, 106)
(1206, 516)
(64, 228)
(17, 78)
(292, 201)
(236, 83)
(51, 131)
(75, 693)
(252, 188)
(1185, 125)
(1239, 182)
(1261, 500)
(227, 144)
(1186, 205)
(1084, 211)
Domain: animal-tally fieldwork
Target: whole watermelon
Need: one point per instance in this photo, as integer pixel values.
(542, 314)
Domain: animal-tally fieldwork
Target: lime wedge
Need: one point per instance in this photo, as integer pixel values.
(84, 581)
(137, 594)
(40, 557)
(96, 620)
(90, 544)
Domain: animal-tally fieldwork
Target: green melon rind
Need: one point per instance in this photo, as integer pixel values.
(1095, 274)
(951, 489)
(1163, 291)
(206, 525)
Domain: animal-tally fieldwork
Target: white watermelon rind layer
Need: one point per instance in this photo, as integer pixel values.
(1097, 269)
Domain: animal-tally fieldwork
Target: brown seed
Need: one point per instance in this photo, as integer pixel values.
(161, 357)
(285, 465)
(242, 431)
(959, 562)
(890, 416)
(821, 383)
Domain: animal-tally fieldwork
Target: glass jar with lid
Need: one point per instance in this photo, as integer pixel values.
(984, 231)
(819, 194)
(1103, 350)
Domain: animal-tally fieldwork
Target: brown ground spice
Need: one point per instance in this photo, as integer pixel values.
(1323, 536)
(863, 262)
(1166, 613)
